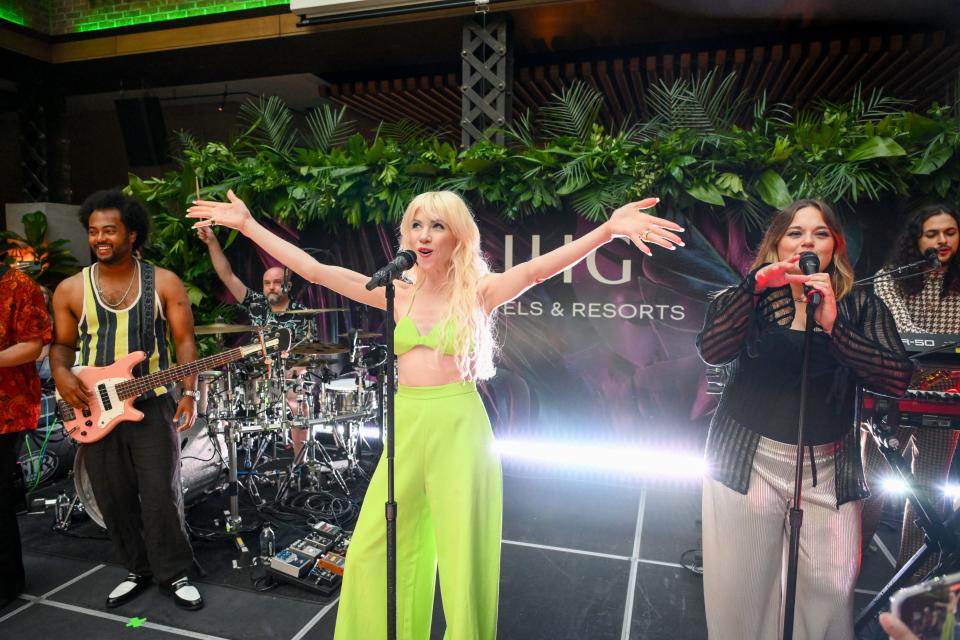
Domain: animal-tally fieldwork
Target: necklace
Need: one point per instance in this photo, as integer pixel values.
(115, 305)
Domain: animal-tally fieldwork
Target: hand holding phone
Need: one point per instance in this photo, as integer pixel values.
(927, 611)
(894, 628)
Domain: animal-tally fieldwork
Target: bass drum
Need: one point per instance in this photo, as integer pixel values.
(201, 468)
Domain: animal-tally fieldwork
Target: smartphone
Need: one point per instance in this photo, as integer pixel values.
(929, 609)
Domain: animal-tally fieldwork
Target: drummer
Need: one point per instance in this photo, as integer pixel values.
(265, 309)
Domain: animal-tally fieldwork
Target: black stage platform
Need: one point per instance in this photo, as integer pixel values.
(583, 557)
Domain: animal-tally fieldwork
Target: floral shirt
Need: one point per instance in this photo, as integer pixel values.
(258, 308)
(23, 317)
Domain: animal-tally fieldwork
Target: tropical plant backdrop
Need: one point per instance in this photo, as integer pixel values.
(627, 364)
(703, 149)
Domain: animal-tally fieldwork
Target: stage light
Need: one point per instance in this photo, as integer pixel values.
(951, 490)
(893, 486)
(635, 461)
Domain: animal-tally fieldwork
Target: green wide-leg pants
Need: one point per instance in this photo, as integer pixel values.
(448, 489)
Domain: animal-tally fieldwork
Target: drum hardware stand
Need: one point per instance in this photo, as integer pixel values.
(350, 443)
(233, 523)
(232, 519)
(940, 537)
(62, 517)
(308, 459)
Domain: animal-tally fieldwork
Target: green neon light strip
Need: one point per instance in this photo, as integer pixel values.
(12, 16)
(97, 20)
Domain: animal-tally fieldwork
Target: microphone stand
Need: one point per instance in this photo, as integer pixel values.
(391, 505)
(897, 271)
(796, 512)
(384, 277)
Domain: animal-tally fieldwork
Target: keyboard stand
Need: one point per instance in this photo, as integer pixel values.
(940, 537)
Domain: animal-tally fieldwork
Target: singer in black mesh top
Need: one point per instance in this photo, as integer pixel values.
(756, 330)
(926, 300)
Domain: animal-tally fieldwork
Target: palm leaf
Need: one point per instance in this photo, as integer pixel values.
(714, 99)
(876, 106)
(522, 131)
(186, 141)
(573, 113)
(329, 127)
(636, 131)
(703, 103)
(404, 131)
(668, 105)
(269, 122)
(596, 202)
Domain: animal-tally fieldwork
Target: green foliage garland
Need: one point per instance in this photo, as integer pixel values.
(702, 147)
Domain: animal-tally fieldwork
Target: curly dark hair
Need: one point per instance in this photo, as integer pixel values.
(905, 251)
(132, 213)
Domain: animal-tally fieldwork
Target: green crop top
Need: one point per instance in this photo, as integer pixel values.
(406, 336)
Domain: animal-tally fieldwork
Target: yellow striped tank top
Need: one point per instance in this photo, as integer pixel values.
(106, 334)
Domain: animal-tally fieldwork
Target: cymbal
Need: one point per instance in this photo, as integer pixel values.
(317, 349)
(309, 312)
(363, 335)
(221, 327)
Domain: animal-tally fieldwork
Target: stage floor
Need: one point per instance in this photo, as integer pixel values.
(582, 557)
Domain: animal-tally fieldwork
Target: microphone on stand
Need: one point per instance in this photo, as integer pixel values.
(809, 265)
(928, 263)
(393, 269)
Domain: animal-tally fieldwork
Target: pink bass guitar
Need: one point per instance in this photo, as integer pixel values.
(114, 388)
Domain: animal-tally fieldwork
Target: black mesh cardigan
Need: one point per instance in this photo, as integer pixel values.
(864, 342)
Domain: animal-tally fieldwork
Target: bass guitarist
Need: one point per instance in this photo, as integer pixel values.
(118, 305)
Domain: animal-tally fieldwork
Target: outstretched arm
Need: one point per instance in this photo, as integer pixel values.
(221, 265)
(234, 214)
(626, 222)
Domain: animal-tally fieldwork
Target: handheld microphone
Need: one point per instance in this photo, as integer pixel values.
(393, 269)
(932, 257)
(809, 265)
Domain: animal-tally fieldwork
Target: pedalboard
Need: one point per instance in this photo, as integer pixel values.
(315, 562)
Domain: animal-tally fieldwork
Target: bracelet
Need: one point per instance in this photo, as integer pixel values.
(190, 392)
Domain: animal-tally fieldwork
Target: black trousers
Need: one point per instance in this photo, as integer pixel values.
(135, 476)
(11, 495)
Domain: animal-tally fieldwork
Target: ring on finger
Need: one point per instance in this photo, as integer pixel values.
(645, 235)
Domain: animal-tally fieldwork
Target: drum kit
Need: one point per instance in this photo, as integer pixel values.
(330, 393)
(320, 389)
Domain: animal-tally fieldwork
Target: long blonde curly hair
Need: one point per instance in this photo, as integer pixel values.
(465, 314)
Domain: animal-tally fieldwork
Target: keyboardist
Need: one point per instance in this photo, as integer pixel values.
(926, 301)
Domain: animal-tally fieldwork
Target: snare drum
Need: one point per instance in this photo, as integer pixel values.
(344, 397)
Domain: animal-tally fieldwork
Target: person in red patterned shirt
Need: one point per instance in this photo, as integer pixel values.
(24, 329)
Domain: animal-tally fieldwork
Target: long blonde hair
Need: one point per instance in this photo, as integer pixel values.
(840, 268)
(465, 315)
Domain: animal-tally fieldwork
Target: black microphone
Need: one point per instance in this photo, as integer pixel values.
(404, 260)
(931, 254)
(809, 265)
